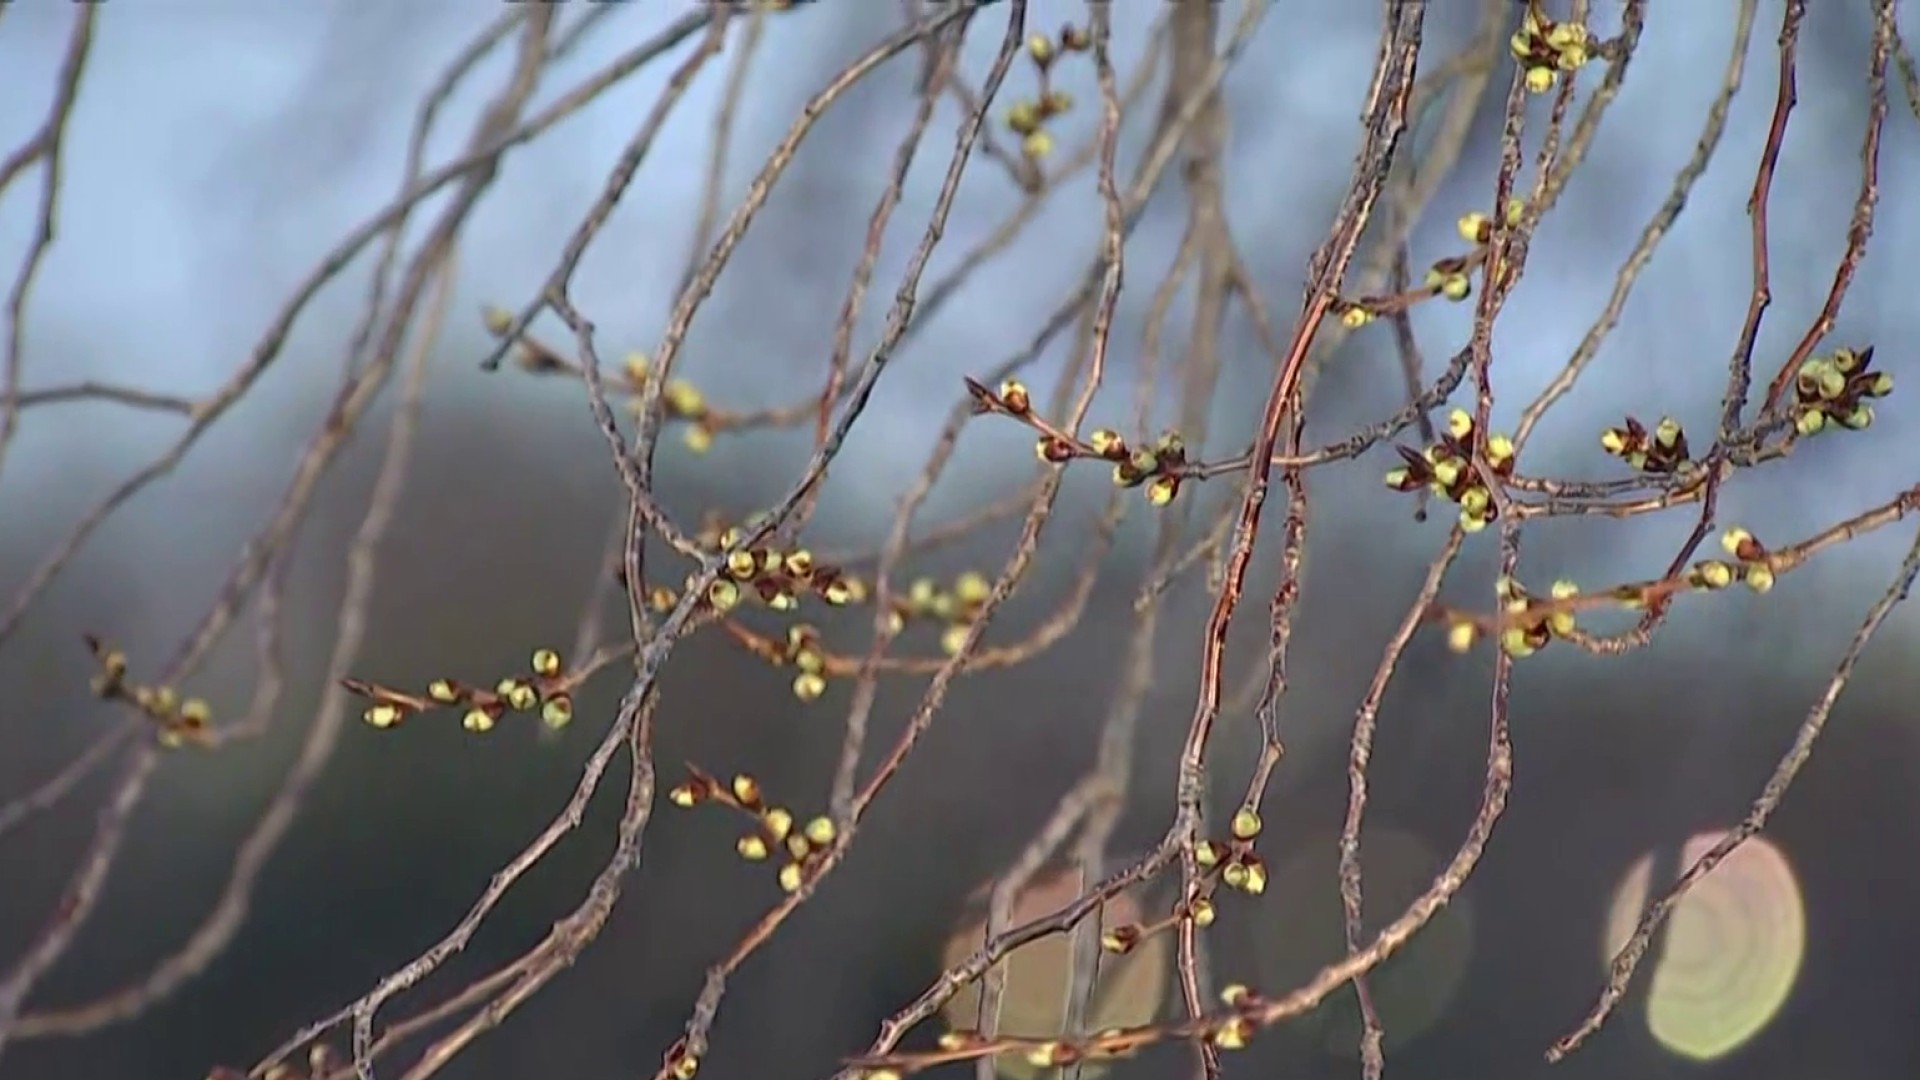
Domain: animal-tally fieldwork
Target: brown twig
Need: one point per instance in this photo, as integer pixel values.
(43, 148)
(1540, 149)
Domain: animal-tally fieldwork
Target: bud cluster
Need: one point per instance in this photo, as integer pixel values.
(1836, 389)
(680, 399)
(547, 689)
(1661, 451)
(775, 578)
(1545, 49)
(957, 605)
(1531, 625)
(1448, 469)
(1231, 862)
(176, 721)
(774, 830)
(1752, 565)
(1451, 277)
(1028, 117)
(1162, 465)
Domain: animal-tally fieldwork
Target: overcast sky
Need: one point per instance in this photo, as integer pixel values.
(220, 147)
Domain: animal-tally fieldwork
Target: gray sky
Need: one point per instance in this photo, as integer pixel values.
(220, 147)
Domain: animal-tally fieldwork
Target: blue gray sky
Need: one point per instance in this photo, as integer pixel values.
(220, 147)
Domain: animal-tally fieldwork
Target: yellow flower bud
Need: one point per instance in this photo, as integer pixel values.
(1499, 450)
(1203, 912)
(684, 398)
(1232, 1035)
(809, 685)
(1715, 574)
(1246, 823)
(953, 639)
(1461, 636)
(746, 789)
(1256, 882)
(1514, 641)
(972, 587)
(779, 822)
(820, 831)
(1023, 117)
(1459, 423)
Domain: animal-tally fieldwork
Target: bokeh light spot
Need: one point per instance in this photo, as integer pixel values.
(1732, 950)
(1128, 991)
(1300, 928)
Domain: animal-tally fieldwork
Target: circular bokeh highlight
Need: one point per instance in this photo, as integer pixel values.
(1301, 928)
(1127, 992)
(1732, 950)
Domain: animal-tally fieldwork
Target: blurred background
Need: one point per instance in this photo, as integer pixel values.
(220, 148)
